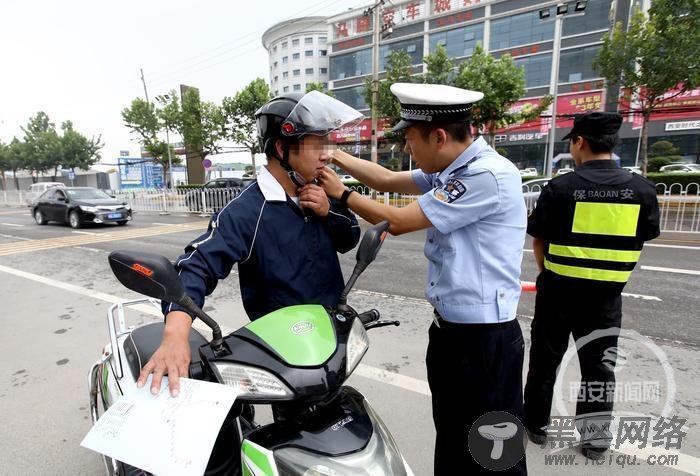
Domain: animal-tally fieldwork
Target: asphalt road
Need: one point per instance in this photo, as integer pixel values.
(56, 286)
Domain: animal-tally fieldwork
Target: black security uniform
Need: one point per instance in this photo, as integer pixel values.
(594, 222)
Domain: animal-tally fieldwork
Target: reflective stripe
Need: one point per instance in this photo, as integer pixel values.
(616, 219)
(587, 273)
(621, 256)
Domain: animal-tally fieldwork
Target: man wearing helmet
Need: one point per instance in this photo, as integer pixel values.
(282, 230)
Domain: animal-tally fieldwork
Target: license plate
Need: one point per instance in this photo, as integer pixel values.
(114, 215)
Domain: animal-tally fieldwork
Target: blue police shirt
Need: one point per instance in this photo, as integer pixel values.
(285, 255)
(475, 247)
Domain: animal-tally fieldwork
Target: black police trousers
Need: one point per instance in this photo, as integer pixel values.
(560, 312)
(473, 369)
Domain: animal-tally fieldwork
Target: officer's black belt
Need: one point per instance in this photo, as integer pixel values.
(441, 323)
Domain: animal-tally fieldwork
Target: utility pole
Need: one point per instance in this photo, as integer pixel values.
(143, 80)
(553, 89)
(375, 75)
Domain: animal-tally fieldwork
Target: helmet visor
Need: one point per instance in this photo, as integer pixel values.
(319, 114)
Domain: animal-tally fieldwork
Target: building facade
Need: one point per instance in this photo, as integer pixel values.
(525, 29)
(298, 53)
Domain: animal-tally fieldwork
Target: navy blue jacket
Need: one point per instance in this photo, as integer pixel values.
(285, 256)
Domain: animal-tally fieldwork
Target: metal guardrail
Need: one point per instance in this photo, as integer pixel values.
(679, 205)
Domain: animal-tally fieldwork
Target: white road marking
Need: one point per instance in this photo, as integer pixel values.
(13, 237)
(94, 250)
(10, 224)
(672, 270)
(89, 233)
(678, 247)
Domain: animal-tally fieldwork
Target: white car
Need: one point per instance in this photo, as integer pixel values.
(564, 170)
(680, 169)
(347, 178)
(36, 189)
(633, 169)
(528, 172)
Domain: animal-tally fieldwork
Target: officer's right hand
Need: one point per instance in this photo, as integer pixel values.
(173, 356)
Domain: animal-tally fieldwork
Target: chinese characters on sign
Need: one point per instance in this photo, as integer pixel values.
(392, 14)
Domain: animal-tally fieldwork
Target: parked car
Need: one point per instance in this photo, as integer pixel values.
(528, 172)
(531, 191)
(680, 169)
(78, 206)
(633, 169)
(564, 170)
(215, 194)
(36, 189)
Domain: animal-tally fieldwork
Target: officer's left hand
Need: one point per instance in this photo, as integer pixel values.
(313, 197)
(331, 183)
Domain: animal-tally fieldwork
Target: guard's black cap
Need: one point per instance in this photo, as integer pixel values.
(594, 124)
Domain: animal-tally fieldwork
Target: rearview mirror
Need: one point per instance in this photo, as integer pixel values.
(147, 273)
(366, 252)
(371, 242)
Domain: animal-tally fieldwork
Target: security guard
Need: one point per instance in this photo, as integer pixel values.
(589, 227)
(473, 209)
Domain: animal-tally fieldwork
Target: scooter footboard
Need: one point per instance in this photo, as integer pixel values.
(343, 436)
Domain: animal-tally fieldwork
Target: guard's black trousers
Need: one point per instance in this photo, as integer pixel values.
(558, 314)
(473, 369)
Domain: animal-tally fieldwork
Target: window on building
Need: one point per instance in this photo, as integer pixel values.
(285, 59)
(274, 65)
(297, 87)
(520, 30)
(275, 78)
(323, 52)
(352, 64)
(323, 70)
(309, 53)
(309, 40)
(296, 56)
(538, 69)
(459, 41)
(596, 18)
(285, 89)
(285, 74)
(414, 47)
(284, 45)
(353, 97)
(295, 42)
(309, 71)
(577, 64)
(296, 72)
(274, 49)
(322, 40)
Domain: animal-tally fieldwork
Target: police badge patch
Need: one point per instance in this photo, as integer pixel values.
(451, 191)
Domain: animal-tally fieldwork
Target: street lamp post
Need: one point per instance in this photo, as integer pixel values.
(560, 10)
(375, 76)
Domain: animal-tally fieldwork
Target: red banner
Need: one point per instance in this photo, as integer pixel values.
(360, 133)
(572, 104)
(673, 106)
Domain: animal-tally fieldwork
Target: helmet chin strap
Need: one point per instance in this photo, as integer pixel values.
(296, 178)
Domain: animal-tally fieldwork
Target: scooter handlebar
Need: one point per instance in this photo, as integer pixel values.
(368, 316)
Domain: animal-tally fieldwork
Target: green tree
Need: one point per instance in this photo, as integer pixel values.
(663, 148)
(142, 118)
(319, 87)
(503, 83)
(4, 163)
(439, 67)
(249, 171)
(42, 145)
(15, 158)
(239, 112)
(657, 57)
(77, 151)
(399, 70)
(203, 124)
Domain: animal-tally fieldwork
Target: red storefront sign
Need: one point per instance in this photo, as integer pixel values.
(674, 106)
(572, 104)
(360, 133)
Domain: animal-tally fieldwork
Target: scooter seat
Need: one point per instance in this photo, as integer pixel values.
(143, 342)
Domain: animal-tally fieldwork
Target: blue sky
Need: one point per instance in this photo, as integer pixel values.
(79, 60)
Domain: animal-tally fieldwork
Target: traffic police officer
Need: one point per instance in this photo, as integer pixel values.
(473, 209)
(589, 227)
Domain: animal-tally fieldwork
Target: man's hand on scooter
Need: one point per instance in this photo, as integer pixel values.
(173, 356)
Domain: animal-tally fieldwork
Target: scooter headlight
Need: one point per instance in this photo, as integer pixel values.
(252, 383)
(358, 343)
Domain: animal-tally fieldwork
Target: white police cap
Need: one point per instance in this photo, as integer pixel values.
(433, 103)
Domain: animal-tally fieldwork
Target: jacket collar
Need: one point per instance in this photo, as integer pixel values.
(269, 186)
(599, 164)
